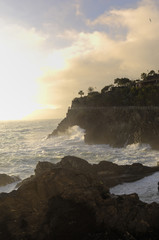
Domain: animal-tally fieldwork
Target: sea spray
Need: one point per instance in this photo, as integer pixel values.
(24, 143)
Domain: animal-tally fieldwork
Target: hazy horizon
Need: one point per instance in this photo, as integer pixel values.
(52, 49)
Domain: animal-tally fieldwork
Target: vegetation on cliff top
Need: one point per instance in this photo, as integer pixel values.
(124, 92)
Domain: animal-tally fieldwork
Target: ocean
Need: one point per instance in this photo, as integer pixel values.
(24, 143)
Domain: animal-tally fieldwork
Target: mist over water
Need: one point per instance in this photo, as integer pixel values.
(24, 143)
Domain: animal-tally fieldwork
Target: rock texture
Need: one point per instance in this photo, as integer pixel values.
(6, 179)
(71, 200)
(117, 126)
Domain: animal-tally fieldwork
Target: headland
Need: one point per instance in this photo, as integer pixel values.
(121, 114)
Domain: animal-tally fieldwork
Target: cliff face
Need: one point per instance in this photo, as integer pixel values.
(117, 126)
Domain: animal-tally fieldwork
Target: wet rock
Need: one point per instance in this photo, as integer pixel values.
(43, 166)
(110, 174)
(6, 179)
(116, 126)
(74, 163)
(65, 201)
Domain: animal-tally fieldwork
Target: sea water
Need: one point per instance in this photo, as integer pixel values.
(24, 143)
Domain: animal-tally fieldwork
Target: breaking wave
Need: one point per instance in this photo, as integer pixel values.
(23, 144)
(146, 188)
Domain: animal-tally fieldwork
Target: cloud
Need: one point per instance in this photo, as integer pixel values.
(62, 59)
(136, 21)
(97, 58)
(77, 8)
(86, 66)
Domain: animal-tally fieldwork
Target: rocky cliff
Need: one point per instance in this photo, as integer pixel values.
(117, 126)
(71, 200)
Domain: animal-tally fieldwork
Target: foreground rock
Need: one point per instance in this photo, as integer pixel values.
(6, 179)
(71, 200)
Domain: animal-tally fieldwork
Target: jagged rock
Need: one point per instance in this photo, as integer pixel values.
(43, 166)
(6, 179)
(75, 163)
(109, 173)
(62, 201)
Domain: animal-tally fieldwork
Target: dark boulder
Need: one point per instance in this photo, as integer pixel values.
(63, 201)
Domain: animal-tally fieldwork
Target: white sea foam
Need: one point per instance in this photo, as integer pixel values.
(8, 188)
(146, 188)
(23, 144)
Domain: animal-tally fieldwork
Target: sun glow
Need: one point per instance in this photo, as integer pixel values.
(17, 97)
(24, 60)
(18, 88)
(20, 68)
(55, 61)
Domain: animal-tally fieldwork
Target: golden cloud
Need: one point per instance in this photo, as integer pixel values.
(97, 58)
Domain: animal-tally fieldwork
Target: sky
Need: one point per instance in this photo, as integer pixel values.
(51, 49)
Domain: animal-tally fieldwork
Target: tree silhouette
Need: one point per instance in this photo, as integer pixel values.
(143, 76)
(81, 93)
(121, 81)
(90, 89)
(151, 73)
